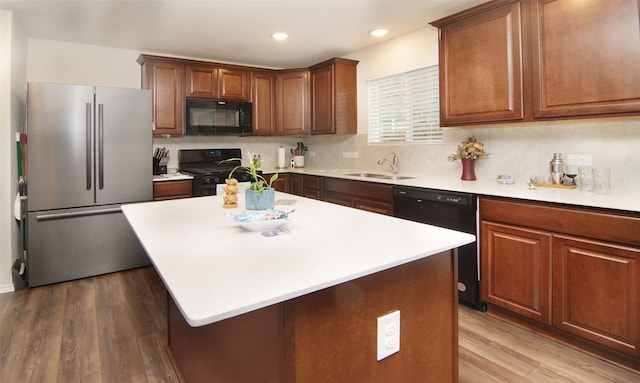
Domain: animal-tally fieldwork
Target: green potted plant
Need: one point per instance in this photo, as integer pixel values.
(468, 151)
(260, 195)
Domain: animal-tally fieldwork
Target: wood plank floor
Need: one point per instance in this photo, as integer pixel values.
(112, 328)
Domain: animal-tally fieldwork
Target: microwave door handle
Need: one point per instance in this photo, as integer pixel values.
(101, 146)
(88, 124)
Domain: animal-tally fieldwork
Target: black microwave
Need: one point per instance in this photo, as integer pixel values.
(217, 117)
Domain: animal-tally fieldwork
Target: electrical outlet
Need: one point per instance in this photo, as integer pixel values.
(388, 334)
(579, 159)
(350, 154)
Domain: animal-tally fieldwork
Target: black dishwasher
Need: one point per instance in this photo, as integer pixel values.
(451, 210)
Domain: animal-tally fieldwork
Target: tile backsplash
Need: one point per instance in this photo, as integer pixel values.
(518, 150)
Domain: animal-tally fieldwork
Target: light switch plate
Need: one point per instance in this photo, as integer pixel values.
(388, 334)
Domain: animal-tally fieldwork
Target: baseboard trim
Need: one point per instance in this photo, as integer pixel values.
(6, 289)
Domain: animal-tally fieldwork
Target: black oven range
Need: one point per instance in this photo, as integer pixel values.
(210, 167)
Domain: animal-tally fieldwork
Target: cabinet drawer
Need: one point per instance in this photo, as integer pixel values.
(606, 225)
(164, 190)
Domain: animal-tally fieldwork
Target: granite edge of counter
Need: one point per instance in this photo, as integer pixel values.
(618, 199)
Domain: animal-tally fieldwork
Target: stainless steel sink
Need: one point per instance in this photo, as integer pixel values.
(379, 176)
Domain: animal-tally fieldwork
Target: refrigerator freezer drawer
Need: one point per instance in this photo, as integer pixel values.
(76, 243)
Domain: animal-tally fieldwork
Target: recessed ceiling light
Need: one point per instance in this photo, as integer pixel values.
(379, 32)
(280, 36)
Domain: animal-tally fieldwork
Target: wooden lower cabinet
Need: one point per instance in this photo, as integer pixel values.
(295, 182)
(369, 196)
(595, 292)
(282, 183)
(576, 270)
(330, 335)
(311, 186)
(516, 269)
(163, 190)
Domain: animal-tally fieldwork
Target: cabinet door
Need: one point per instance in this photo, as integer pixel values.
(233, 84)
(481, 68)
(292, 106)
(263, 97)
(585, 58)
(516, 269)
(282, 184)
(596, 288)
(166, 80)
(201, 81)
(322, 101)
(334, 101)
(373, 206)
(338, 199)
(296, 184)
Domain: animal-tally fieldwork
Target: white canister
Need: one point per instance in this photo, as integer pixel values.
(298, 161)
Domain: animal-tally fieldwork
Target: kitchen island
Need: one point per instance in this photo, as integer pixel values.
(303, 306)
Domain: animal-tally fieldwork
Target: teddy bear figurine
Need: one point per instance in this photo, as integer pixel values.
(231, 191)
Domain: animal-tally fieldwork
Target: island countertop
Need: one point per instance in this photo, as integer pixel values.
(216, 270)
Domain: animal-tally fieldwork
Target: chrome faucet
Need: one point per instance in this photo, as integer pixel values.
(393, 163)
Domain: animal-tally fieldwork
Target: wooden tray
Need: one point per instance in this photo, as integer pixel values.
(557, 186)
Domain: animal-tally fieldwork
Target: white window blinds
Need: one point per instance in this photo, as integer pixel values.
(405, 107)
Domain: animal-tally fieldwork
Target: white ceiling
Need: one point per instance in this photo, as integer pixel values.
(237, 31)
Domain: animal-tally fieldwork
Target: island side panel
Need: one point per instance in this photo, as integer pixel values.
(246, 348)
(332, 333)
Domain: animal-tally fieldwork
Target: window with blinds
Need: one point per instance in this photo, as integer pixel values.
(405, 107)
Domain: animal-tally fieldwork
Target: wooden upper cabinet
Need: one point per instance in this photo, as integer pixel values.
(481, 68)
(201, 81)
(263, 97)
(511, 61)
(281, 98)
(334, 97)
(292, 102)
(166, 80)
(585, 58)
(234, 84)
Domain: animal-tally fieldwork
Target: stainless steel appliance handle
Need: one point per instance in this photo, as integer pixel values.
(86, 213)
(101, 146)
(88, 143)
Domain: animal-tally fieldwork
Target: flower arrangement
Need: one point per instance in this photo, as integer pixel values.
(259, 183)
(471, 148)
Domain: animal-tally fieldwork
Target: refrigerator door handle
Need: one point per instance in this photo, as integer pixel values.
(101, 146)
(86, 213)
(88, 107)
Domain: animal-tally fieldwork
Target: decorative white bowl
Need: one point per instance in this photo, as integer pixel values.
(261, 220)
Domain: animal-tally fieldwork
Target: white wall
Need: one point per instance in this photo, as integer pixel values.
(61, 62)
(12, 99)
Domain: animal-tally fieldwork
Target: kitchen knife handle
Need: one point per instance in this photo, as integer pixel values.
(101, 146)
(88, 124)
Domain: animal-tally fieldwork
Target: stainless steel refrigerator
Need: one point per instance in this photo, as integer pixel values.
(88, 153)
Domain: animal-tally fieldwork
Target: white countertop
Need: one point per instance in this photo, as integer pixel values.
(620, 199)
(215, 270)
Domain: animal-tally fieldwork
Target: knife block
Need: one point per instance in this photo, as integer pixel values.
(160, 165)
